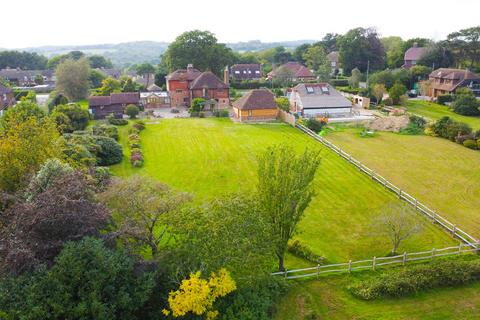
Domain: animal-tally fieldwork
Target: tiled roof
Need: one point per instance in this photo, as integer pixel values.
(184, 74)
(124, 98)
(457, 77)
(246, 66)
(256, 99)
(21, 74)
(208, 80)
(95, 101)
(298, 70)
(414, 53)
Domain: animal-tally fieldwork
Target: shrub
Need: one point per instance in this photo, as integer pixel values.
(116, 122)
(466, 104)
(315, 125)
(197, 105)
(221, 113)
(449, 129)
(460, 139)
(444, 98)
(201, 114)
(397, 91)
(296, 248)
(139, 125)
(106, 131)
(132, 111)
(339, 82)
(388, 101)
(415, 126)
(78, 117)
(402, 282)
(133, 137)
(470, 144)
(110, 151)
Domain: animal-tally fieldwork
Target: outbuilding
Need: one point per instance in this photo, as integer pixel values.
(256, 105)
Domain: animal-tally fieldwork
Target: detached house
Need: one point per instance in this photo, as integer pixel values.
(412, 55)
(7, 99)
(315, 100)
(297, 70)
(256, 105)
(101, 106)
(250, 71)
(334, 60)
(447, 81)
(184, 85)
(27, 78)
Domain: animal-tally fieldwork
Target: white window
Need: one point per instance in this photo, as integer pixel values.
(237, 72)
(244, 71)
(309, 89)
(249, 72)
(334, 63)
(257, 71)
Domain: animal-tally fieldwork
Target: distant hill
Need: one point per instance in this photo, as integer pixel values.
(127, 53)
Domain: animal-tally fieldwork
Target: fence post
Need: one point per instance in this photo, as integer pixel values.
(318, 270)
(371, 173)
(433, 253)
(433, 217)
(374, 262)
(400, 193)
(460, 248)
(416, 204)
(404, 258)
(454, 229)
(350, 266)
(286, 273)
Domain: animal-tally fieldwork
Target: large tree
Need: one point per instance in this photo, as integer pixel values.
(98, 61)
(145, 69)
(199, 48)
(73, 78)
(317, 61)
(284, 191)
(394, 51)
(23, 60)
(466, 46)
(437, 55)
(359, 48)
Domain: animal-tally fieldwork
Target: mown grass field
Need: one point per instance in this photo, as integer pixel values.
(328, 298)
(440, 173)
(211, 157)
(434, 111)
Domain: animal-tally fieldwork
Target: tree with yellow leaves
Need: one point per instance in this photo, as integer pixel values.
(197, 295)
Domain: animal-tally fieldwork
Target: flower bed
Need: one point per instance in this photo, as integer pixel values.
(134, 144)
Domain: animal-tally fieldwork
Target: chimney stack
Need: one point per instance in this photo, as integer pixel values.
(189, 67)
(226, 76)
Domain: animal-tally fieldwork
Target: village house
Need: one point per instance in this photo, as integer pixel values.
(447, 81)
(412, 55)
(333, 59)
(246, 71)
(184, 85)
(256, 105)
(28, 78)
(297, 71)
(318, 100)
(154, 100)
(102, 106)
(111, 73)
(7, 98)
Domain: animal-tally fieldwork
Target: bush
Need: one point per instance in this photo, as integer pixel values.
(449, 129)
(315, 125)
(116, 122)
(466, 104)
(106, 131)
(339, 82)
(415, 126)
(77, 117)
(139, 125)
(462, 138)
(132, 111)
(110, 151)
(396, 91)
(402, 282)
(221, 113)
(388, 101)
(298, 249)
(470, 144)
(201, 114)
(444, 98)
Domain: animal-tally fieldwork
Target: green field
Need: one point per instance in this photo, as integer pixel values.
(435, 111)
(210, 157)
(328, 298)
(440, 173)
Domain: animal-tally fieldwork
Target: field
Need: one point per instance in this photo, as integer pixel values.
(435, 111)
(210, 157)
(328, 298)
(440, 173)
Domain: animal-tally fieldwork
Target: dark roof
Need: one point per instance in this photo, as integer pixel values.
(4, 90)
(458, 77)
(125, 98)
(256, 99)
(208, 80)
(246, 66)
(414, 53)
(298, 70)
(315, 95)
(20, 74)
(189, 74)
(95, 101)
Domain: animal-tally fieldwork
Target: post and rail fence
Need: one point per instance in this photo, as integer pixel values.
(376, 262)
(468, 243)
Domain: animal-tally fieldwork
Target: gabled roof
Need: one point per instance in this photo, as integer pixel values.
(320, 95)
(297, 69)
(414, 53)
(154, 88)
(20, 74)
(256, 99)
(95, 101)
(246, 66)
(189, 74)
(457, 77)
(208, 80)
(114, 98)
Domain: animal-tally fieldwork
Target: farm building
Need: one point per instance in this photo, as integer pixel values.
(256, 105)
(319, 100)
(101, 106)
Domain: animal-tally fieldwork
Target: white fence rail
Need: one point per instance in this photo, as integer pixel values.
(375, 262)
(420, 207)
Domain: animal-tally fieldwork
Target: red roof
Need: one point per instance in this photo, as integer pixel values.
(414, 53)
(256, 99)
(188, 74)
(298, 70)
(208, 80)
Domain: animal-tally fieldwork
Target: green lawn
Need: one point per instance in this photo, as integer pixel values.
(210, 157)
(440, 173)
(328, 298)
(435, 111)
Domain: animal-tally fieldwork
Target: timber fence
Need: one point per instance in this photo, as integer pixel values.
(377, 262)
(451, 228)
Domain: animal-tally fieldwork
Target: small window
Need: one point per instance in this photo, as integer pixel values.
(237, 72)
(178, 91)
(250, 113)
(244, 71)
(257, 71)
(310, 90)
(249, 71)
(324, 89)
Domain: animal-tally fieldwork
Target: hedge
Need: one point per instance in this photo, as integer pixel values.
(339, 82)
(444, 98)
(405, 281)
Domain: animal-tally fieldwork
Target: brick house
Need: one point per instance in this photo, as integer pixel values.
(7, 98)
(447, 81)
(412, 55)
(184, 85)
(297, 70)
(101, 106)
(256, 105)
(246, 71)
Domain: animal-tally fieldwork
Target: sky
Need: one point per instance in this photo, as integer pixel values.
(31, 23)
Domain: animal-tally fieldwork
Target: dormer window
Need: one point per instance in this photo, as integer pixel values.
(310, 90)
